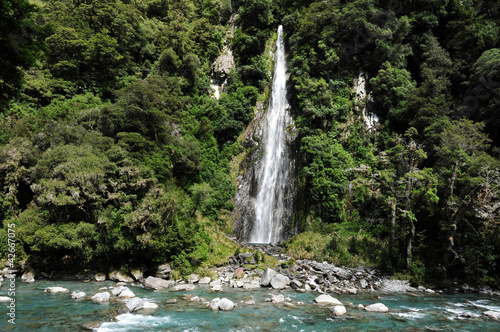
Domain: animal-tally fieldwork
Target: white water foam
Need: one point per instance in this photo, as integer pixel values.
(484, 304)
(127, 322)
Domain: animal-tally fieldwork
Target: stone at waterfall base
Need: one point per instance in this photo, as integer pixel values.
(280, 281)
(267, 276)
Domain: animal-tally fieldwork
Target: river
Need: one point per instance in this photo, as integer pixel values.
(39, 311)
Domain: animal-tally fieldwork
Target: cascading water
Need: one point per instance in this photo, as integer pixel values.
(272, 176)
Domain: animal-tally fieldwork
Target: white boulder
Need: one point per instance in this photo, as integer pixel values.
(56, 289)
(377, 307)
(226, 304)
(101, 297)
(327, 299)
(338, 310)
(78, 295)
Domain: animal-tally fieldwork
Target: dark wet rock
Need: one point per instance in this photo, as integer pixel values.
(295, 284)
(91, 326)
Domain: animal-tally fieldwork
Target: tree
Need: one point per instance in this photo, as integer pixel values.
(483, 100)
(391, 88)
(461, 144)
(408, 189)
(20, 44)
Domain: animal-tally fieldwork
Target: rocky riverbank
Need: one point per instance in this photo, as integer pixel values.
(362, 291)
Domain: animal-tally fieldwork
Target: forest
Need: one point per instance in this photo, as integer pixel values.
(114, 151)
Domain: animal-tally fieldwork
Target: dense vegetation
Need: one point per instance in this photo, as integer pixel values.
(112, 151)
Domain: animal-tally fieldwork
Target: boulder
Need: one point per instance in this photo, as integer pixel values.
(215, 283)
(295, 284)
(171, 301)
(290, 305)
(134, 304)
(277, 298)
(239, 283)
(137, 274)
(56, 289)
(204, 280)
(193, 278)
(327, 299)
(280, 281)
(28, 277)
(149, 305)
(492, 314)
(467, 314)
(163, 271)
(226, 304)
(101, 297)
(244, 257)
(126, 294)
(119, 275)
(377, 307)
(157, 283)
(100, 277)
(251, 285)
(267, 276)
(363, 283)
(250, 302)
(118, 290)
(239, 273)
(184, 288)
(78, 295)
(338, 310)
(5, 299)
(217, 288)
(214, 304)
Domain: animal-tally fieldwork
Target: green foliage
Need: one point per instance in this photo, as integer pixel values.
(20, 45)
(113, 150)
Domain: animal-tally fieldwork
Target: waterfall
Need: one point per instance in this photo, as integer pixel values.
(272, 175)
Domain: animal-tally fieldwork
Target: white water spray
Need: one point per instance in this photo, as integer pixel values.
(273, 173)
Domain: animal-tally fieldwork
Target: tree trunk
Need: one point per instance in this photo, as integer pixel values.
(392, 245)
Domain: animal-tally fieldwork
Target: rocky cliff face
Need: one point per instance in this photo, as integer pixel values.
(248, 182)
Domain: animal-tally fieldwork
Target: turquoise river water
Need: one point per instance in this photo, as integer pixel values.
(39, 311)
